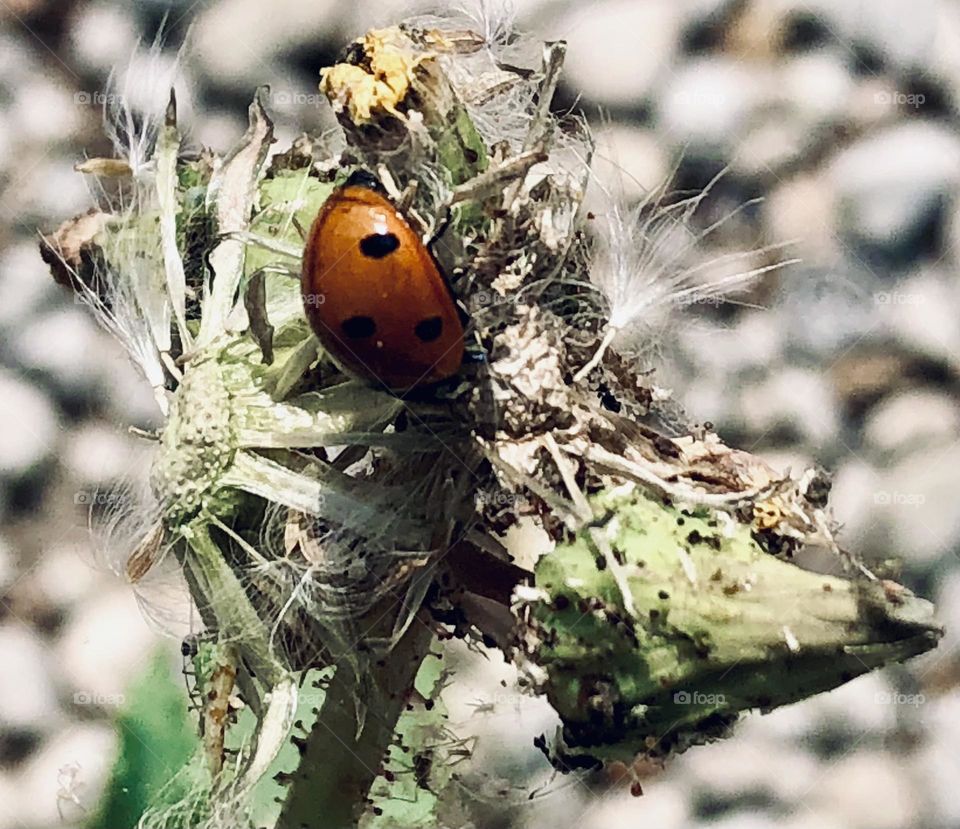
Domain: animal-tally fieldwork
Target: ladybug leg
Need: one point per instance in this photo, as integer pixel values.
(405, 200)
(476, 354)
(443, 219)
(476, 358)
(402, 199)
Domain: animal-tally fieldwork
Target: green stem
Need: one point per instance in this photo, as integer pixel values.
(237, 620)
(341, 756)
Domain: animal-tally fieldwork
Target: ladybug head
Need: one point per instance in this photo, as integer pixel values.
(364, 178)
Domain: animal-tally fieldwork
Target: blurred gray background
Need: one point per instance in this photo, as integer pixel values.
(842, 116)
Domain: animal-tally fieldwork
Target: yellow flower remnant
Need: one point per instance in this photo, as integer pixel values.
(380, 80)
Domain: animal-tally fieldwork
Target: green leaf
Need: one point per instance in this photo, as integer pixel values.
(289, 195)
(157, 739)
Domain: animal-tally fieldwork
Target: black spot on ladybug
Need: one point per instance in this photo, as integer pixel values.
(356, 328)
(378, 245)
(429, 329)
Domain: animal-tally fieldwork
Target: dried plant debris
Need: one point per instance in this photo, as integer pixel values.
(321, 520)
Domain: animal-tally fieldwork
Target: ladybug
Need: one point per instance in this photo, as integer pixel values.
(374, 294)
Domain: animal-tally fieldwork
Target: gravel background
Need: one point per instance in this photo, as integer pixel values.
(843, 116)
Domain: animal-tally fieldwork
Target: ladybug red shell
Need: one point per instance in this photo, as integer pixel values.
(374, 294)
